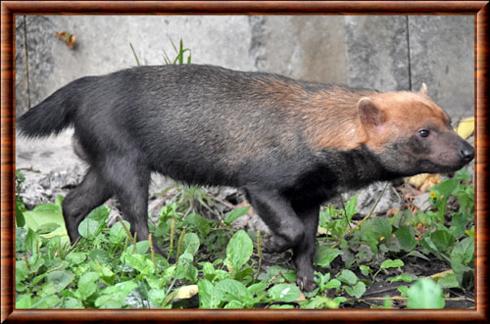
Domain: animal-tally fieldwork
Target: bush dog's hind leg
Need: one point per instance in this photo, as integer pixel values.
(130, 180)
(304, 252)
(92, 192)
(277, 213)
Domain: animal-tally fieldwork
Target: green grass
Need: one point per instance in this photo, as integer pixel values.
(105, 269)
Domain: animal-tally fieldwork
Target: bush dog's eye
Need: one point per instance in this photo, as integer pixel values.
(424, 132)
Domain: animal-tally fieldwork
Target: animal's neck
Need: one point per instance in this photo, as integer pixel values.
(356, 168)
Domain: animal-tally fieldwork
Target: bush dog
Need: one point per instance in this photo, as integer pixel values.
(289, 145)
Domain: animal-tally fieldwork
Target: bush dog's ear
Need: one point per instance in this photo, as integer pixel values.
(369, 113)
(423, 89)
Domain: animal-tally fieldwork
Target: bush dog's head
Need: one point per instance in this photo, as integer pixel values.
(411, 134)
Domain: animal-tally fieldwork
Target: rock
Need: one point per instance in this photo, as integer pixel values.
(159, 184)
(377, 52)
(39, 188)
(438, 47)
(422, 201)
(62, 179)
(367, 197)
(114, 214)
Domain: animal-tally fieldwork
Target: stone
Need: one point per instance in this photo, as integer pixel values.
(99, 49)
(422, 201)
(367, 197)
(441, 55)
(40, 188)
(377, 52)
(303, 47)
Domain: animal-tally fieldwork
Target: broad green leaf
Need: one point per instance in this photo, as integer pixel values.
(404, 277)
(185, 268)
(406, 238)
(45, 214)
(156, 297)
(234, 304)
(351, 207)
(446, 187)
(50, 301)
(87, 284)
(141, 247)
(100, 214)
(238, 251)
(276, 274)
(357, 290)
(140, 263)
(94, 222)
(21, 270)
(425, 293)
(442, 239)
(75, 258)
(463, 251)
(462, 257)
(325, 255)
(389, 264)
(115, 296)
(257, 288)
(72, 303)
(23, 301)
(365, 270)
(375, 230)
(235, 214)
(348, 277)
(110, 301)
(333, 284)
(117, 233)
(60, 279)
(191, 243)
(19, 212)
(319, 302)
(284, 293)
(124, 287)
(233, 290)
(201, 224)
(449, 281)
(89, 228)
(209, 295)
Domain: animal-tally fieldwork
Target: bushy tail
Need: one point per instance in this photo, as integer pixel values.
(54, 114)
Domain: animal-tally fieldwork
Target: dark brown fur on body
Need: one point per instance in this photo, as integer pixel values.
(289, 145)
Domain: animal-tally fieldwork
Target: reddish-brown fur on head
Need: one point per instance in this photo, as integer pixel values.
(407, 130)
(403, 114)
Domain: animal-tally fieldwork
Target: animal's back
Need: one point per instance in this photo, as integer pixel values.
(201, 124)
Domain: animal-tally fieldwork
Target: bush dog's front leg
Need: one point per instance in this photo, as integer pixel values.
(276, 211)
(288, 229)
(304, 252)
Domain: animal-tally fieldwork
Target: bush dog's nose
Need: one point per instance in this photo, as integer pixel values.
(467, 153)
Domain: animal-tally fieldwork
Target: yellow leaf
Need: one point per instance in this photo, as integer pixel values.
(424, 181)
(431, 180)
(418, 180)
(442, 274)
(466, 127)
(185, 292)
(321, 231)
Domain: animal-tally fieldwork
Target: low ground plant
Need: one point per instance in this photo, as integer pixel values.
(421, 259)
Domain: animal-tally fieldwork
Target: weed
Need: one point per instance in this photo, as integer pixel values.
(107, 269)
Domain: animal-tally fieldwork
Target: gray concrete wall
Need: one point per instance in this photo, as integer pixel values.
(383, 52)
